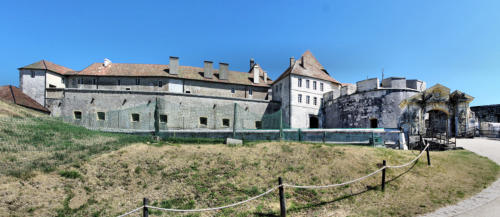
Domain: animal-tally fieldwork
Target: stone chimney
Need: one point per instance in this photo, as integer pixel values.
(207, 69)
(252, 62)
(256, 74)
(174, 65)
(107, 62)
(223, 71)
(292, 61)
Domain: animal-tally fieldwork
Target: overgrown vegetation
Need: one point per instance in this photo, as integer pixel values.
(49, 168)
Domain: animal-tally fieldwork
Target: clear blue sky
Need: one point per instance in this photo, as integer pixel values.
(455, 43)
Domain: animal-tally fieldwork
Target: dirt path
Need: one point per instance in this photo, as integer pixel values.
(487, 202)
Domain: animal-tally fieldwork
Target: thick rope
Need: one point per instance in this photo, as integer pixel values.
(334, 185)
(409, 163)
(276, 187)
(215, 208)
(134, 210)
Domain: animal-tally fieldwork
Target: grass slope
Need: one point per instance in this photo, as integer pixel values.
(54, 169)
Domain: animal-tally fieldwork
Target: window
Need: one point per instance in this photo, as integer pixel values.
(225, 122)
(314, 85)
(203, 121)
(307, 83)
(119, 82)
(232, 90)
(300, 82)
(258, 124)
(321, 86)
(163, 118)
(80, 81)
(315, 101)
(160, 83)
(78, 115)
(62, 80)
(308, 98)
(250, 91)
(187, 91)
(32, 73)
(300, 98)
(94, 81)
(137, 81)
(101, 116)
(73, 81)
(135, 117)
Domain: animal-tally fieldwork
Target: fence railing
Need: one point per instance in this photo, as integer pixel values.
(281, 187)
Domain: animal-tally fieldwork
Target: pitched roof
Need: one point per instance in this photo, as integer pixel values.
(308, 66)
(47, 65)
(157, 70)
(14, 95)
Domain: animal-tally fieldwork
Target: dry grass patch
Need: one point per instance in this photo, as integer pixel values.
(198, 176)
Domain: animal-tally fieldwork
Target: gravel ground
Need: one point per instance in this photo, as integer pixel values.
(487, 202)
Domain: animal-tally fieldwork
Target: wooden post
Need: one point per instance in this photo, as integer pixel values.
(324, 136)
(300, 135)
(234, 120)
(428, 157)
(145, 212)
(383, 175)
(282, 198)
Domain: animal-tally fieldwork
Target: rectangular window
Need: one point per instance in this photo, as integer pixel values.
(119, 82)
(73, 81)
(307, 83)
(300, 98)
(160, 83)
(250, 91)
(203, 122)
(78, 115)
(258, 124)
(163, 118)
(94, 81)
(135, 117)
(373, 123)
(321, 86)
(314, 85)
(32, 73)
(232, 90)
(300, 82)
(315, 101)
(101, 116)
(225, 122)
(308, 98)
(137, 81)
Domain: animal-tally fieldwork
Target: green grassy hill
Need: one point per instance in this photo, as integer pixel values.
(49, 168)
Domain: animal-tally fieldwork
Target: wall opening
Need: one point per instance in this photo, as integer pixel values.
(437, 122)
(225, 122)
(163, 118)
(258, 124)
(313, 121)
(77, 115)
(203, 122)
(135, 117)
(498, 118)
(373, 123)
(101, 116)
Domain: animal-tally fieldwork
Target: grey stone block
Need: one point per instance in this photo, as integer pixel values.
(231, 141)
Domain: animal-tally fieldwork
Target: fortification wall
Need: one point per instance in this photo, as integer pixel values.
(358, 109)
(181, 111)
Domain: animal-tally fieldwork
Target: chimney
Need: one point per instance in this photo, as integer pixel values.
(265, 77)
(107, 62)
(207, 69)
(223, 71)
(256, 74)
(174, 65)
(302, 61)
(292, 61)
(252, 62)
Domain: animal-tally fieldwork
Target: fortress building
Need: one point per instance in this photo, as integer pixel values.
(125, 96)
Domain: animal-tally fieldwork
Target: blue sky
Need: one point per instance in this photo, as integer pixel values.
(455, 43)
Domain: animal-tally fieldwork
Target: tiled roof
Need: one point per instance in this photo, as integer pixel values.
(47, 65)
(156, 70)
(14, 95)
(307, 65)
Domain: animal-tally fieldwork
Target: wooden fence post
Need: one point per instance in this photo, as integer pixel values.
(282, 198)
(145, 212)
(383, 175)
(428, 156)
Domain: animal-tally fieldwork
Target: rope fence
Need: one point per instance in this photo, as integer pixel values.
(145, 207)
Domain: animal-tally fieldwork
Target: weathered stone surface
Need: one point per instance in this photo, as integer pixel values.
(231, 141)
